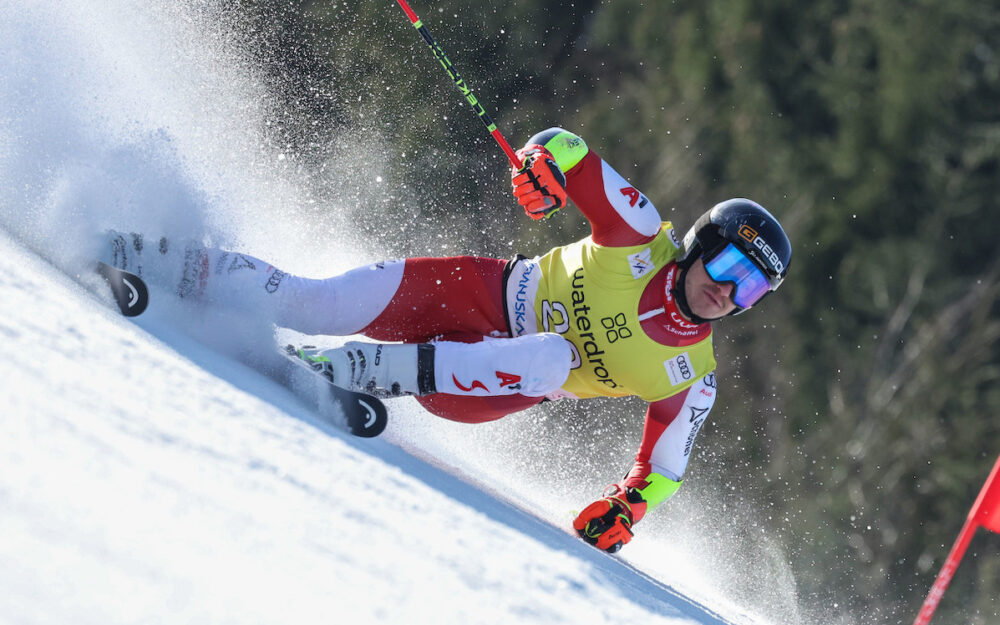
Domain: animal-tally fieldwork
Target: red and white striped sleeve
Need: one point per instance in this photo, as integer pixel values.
(619, 214)
(668, 436)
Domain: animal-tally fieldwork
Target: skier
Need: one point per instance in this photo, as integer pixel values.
(625, 311)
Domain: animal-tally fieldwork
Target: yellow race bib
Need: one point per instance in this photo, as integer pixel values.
(590, 295)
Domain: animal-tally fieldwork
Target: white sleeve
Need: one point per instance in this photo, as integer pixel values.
(671, 449)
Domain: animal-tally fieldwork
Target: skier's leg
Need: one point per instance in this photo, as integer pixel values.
(458, 297)
(533, 366)
(454, 299)
(341, 305)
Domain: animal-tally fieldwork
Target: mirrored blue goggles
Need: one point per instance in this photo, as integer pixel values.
(729, 264)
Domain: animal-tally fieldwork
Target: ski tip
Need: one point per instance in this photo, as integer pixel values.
(129, 290)
(369, 419)
(364, 415)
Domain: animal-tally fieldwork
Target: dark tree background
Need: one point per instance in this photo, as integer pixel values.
(863, 397)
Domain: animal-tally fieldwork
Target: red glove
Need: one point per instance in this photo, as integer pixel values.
(539, 186)
(607, 523)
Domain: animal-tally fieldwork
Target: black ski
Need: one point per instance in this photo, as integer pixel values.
(366, 415)
(129, 290)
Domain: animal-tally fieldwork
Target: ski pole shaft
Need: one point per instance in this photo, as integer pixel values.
(448, 67)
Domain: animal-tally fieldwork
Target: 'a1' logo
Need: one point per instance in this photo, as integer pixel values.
(634, 197)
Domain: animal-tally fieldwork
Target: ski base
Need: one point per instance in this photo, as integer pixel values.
(129, 290)
(366, 415)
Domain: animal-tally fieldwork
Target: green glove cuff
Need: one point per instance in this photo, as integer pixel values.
(658, 490)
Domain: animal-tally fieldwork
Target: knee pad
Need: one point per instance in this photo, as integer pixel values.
(549, 366)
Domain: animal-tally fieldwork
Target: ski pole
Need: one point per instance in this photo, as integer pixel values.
(448, 67)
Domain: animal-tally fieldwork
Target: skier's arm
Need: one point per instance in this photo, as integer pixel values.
(667, 440)
(619, 214)
(668, 437)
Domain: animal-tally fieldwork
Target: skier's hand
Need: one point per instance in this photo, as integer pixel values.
(607, 523)
(539, 186)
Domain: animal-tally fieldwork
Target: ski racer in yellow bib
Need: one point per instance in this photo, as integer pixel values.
(635, 305)
(624, 311)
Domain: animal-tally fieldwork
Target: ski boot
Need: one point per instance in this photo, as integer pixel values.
(378, 369)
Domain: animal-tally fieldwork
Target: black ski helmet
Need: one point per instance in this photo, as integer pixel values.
(747, 225)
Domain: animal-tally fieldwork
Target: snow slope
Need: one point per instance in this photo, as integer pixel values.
(153, 482)
(150, 473)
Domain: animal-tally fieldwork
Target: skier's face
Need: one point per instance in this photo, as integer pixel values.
(707, 298)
